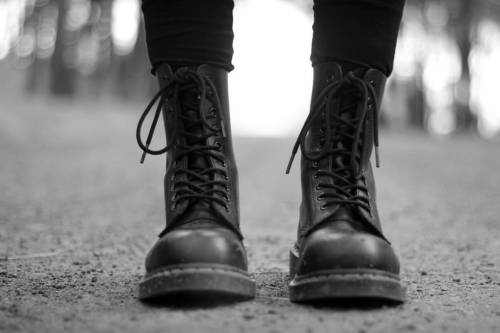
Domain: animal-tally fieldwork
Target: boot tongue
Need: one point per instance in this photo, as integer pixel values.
(348, 110)
(343, 134)
(196, 161)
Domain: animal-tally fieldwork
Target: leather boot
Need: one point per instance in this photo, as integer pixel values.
(200, 252)
(341, 251)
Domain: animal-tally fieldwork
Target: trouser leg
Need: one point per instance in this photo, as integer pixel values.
(189, 32)
(356, 33)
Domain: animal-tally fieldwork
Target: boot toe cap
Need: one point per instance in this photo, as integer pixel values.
(328, 249)
(197, 246)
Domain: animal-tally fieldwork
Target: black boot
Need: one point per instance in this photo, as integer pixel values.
(341, 251)
(200, 251)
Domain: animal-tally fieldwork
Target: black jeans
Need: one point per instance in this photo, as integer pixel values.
(353, 32)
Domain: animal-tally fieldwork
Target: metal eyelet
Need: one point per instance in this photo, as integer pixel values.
(315, 164)
(318, 188)
(315, 176)
(372, 83)
(322, 207)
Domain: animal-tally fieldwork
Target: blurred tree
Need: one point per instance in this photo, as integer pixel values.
(415, 88)
(62, 76)
(32, 17)
(463, 20)
(132, 72)
(416, 101)
(105, 58)
(55, 57)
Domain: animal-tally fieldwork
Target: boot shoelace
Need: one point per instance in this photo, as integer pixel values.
(345, 175)
(199, 182)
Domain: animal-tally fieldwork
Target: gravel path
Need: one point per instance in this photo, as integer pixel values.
(78, 214)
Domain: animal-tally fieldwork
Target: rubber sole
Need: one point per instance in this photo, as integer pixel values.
(197, 280)
(330, 285)
(344, 284)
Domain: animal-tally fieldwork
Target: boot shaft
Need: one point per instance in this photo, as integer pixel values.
(338, 146)
(200, 162)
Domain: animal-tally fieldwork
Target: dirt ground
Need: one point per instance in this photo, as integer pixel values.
(78, 214)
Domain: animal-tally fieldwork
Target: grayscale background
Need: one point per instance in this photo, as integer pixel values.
(78, 212)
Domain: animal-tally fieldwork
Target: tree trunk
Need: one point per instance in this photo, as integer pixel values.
(62, 78)
(463, 27)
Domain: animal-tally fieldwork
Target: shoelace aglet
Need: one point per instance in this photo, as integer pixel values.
(289, 166)
(223, 129)
(377, 157)
(143, 157)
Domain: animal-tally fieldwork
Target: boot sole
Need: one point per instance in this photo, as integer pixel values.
(200, 281)
(331, 285)
(345, 284)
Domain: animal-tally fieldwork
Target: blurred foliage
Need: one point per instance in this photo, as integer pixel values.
(93, 47)
(68, 48)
